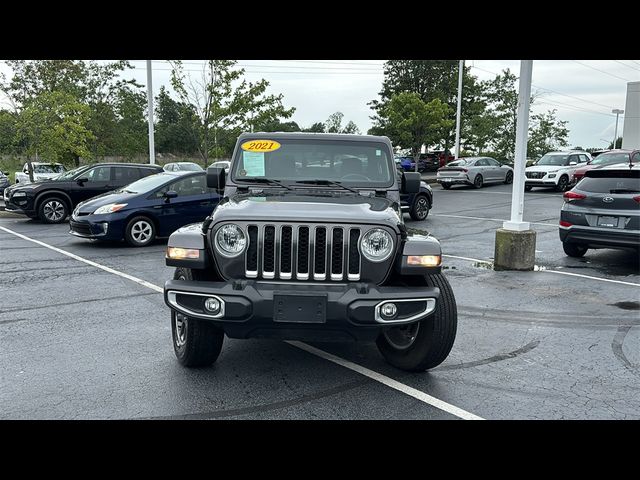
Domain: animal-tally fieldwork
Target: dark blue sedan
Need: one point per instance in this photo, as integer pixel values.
(154, 206)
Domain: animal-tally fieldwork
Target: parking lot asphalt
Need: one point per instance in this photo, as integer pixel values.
(562, 342)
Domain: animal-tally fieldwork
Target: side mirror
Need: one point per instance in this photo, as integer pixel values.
(216, 178)
(82, 180)
(411, 182)
(170, 194)
(573, 163)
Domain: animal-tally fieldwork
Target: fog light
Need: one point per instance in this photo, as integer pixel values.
(105, 227)
(388, 310)
(212, 305)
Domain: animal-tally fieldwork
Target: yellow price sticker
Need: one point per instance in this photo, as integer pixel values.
(260, 146)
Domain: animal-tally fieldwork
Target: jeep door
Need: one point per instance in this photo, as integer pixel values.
(194, 202)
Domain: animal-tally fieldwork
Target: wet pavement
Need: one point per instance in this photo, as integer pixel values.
(561, 342)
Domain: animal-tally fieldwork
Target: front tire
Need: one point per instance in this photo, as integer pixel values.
(478, 181)
(425, 344)
(420, 208)
(508, 179)
(446, 186)
(53, 210)
(527, 188)
(563, 183)
(196, 343)
(574, 249)
(140, 232)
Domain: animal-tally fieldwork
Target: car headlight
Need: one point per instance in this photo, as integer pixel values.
(19, 194)
(111, 208)
(552, 175)
(376, 245)
(230, 240)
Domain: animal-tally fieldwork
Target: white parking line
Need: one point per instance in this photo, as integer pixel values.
(389, 382)
(538, 268)
(139, 281)
(423, 397)
(490, 219)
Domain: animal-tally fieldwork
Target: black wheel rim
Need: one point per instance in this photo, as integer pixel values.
(562, 184)
(509, 177)
(403, 336)
(422, 208)
(478, 181)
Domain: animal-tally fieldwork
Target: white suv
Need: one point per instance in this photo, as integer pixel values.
(41, 171)
(555, 169)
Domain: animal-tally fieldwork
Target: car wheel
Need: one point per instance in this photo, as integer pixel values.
(53, 210)
(508, 179)
(446, 186)
(527, 188)
(420, 208)
(196, 343)
(424, 344)
(563, 182)
(478, 181)
(574, 249)
(140, 232)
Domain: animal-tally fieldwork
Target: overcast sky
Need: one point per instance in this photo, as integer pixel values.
(583, 92)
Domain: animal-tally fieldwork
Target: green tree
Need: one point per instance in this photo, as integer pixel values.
(618, 144)
(224, 101)
(411, 123)
(8, 121)
(277, 126)
(53, 125)
(317, 127)
(176, 126)
(334, 124)
(546, 134)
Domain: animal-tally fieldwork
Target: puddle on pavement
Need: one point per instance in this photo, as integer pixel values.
(485, 265)
(627, 305)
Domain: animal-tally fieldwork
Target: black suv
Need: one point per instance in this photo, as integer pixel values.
(53, 200)
(308, 243)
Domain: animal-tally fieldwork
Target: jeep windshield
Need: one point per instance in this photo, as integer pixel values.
(315, 162)
(557, 160)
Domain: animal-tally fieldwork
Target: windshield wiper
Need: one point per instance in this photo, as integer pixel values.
(326, 182)
(270, 181)
(624, 190)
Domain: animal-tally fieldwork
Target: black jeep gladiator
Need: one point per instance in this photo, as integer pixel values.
(308, 243)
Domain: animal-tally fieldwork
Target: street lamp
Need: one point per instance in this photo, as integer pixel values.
(617, 111)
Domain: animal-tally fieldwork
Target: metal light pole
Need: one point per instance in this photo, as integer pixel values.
(522, 129)
(617, 111)
(152, 151)
(460, 75)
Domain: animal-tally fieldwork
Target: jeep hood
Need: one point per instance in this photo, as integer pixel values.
(309, 207)
(544, 168)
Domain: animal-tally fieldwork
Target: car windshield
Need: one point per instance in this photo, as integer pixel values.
(68, 175)
(611, 158)
(48, 168)
(147, 184)
(354, 163)
(459, 163)
(554, 159)
(609, 184)
(189, 167)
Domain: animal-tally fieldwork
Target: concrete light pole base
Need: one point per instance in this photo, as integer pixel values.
(515, 250)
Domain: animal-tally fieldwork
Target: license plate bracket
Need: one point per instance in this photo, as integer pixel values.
(299, 308)
(605, 221)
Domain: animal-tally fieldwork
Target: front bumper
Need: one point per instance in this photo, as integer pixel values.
(111, 229)
(535, 182)
(268, 310)
(598, 237)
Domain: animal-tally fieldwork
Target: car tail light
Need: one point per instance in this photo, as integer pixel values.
(564, 223)
(571, 195)
(637, 198)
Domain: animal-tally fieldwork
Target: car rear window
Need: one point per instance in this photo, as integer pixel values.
(609, 185)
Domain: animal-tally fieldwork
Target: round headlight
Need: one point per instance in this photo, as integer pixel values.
(376, 245)
(230, 240)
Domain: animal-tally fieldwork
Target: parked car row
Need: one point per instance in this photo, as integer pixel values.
(476, 171)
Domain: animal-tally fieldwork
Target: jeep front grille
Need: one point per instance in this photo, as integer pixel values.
(303, 252)
(535, 174)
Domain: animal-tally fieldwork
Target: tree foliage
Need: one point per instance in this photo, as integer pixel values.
(410, 122)
(224, 101)
(546, 134)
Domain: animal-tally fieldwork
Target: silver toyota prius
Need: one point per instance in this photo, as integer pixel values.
(475, 171)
